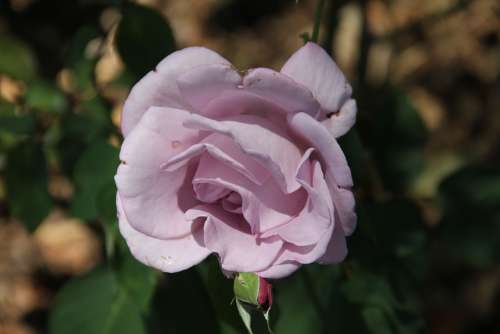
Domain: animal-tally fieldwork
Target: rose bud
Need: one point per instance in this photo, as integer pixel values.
(253, 290)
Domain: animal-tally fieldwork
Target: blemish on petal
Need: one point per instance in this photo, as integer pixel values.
(175, 144)
(167, 259)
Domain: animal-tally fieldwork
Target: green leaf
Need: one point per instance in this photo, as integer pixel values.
(26, 183)
(396, 134)
(143, 38)
(106, 202)
(471, 224)
(14, 126)
(95, 304)
(382, 309)
(91, 122)
(245, 314)
(221, 292)
(45, 97)
(293, 309)
(376, 320)
(16, 59)
(135, 278)
(182, 305)
(94, 170)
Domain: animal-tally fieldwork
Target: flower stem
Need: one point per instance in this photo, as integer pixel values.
(317, 20)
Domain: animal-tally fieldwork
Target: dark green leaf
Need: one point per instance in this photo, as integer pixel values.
(293, 310)
(91, 122)
(138, 280)
(13, 124)
(95, 304)
(45, 97)
(143, 38)
(471, 222)
(26, 182)
(94, 170)
(220, 290)
(16, 59)
(181, 305)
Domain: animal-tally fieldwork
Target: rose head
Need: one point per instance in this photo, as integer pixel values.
(243, 165)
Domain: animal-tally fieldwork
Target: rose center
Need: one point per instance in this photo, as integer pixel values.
(210, 193)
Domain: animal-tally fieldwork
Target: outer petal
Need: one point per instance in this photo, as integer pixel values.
(337, 172)
(280, 270)
(314, 133)
(153, 199)
(312, 67)
(280, 90)
(305, 254)
(266, 143)
(340, 123)
(201, 85)
(204, 83)
(229, 236)
(159, 87)
(170, 255)
(337, 247)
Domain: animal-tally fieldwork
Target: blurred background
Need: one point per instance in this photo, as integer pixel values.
(424, 154)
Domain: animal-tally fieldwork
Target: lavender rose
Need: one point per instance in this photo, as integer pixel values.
(245, 166)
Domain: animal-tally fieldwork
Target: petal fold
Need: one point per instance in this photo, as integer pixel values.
(312, 67)
(171, 255)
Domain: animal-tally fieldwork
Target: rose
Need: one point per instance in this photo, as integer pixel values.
(243, 165)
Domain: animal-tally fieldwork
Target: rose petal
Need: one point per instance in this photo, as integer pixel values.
(159, 135)
(313, 132)
(235, 102)
(155, 202)
(317, 215)
(153, 199)
(281, 270)
(261, 140)
(344, 206)
(171, 255)
(202, 84)
(229, 236)
(337, 247)
(264, 206)
(159, 87)
(281, 90)
(312, 67)
(225, 150)
(341, 122)
(337, 172)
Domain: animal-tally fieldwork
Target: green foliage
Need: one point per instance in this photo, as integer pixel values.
(45, 97)
(143, 39)
(182, 304)
(93, 172)
(396, 135)
(26, 183)
(16, 59)
(221, 296)
(471, 222)
(97, 303)
(14, 126)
